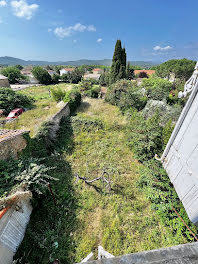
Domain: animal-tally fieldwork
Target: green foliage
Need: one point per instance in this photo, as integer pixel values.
(105, 78)
(143, 75)
(145, 136)
(125, 95)
(118, 67)
(129, 72)
(58, 94)
(13, 73)
(19, 67)
(10, 99)
(157, 88)
(155, 183)
(42, 75)
(31, 173)
(55, 78)
(72, 77)
(182, 68)
(73, 97)
(167, 131)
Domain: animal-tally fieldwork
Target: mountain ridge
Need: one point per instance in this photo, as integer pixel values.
(10, 61)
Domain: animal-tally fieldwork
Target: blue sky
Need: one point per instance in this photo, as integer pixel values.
(154, 30)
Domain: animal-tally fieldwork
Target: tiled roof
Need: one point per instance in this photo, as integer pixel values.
(69, 69)
(8, 134)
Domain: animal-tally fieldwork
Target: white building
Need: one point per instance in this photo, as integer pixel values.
(66, 70)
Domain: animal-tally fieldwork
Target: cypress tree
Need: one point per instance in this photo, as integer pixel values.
(118, 68)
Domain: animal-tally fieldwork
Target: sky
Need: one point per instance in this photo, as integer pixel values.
(62, 30)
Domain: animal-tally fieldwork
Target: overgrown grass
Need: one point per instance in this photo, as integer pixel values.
(121, 220)
(44, 107)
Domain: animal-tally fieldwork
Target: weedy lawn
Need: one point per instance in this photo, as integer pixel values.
(43, 108)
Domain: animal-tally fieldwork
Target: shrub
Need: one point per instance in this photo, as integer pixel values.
(55, 78)
(13, 73)
(125, 95)
(72, 77)
(85, 85)
(10, 99)
(73, 97)
(165, 111)
(143, 75)
(167, 131)
(157, 88)
(42, 75)
(145, 136)
(156, 185)
(58, 94)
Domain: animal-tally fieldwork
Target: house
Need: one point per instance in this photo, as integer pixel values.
(66, 70)
(51, 72)
(148, 72)
(93, 76)
(97, 71)
(27, 71)
(4, 82)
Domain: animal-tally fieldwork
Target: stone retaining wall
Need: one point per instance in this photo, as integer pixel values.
(11, 143)
(55, 120)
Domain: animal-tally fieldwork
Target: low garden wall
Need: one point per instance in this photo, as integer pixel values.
(11, 143)
(55, 120)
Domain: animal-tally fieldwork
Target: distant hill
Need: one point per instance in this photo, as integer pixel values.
(106, 62)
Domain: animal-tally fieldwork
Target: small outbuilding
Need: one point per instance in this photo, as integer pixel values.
(4, 82)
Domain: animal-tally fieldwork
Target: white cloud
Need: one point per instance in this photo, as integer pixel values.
(68, 31)
(3, 3)
(22, 9)
(159, 48)
(99, 40)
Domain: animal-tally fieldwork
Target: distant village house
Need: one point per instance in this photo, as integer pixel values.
(66, 70)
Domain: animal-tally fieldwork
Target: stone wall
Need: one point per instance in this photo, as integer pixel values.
(12, 142)
(4, 83)
(56, 119)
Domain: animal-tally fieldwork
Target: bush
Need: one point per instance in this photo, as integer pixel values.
(73, 97)
(72, 77)
(13, 73)
(166, 133)
(157, 88)
(10, 99)
(143, 75)
(125, 95)
(55, 78)
(42, 75)
(58, 94)
(165, 111)
(145, 136)
(156, 185)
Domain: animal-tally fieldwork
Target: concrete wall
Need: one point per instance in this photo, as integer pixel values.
(182, 254)
(180, 157)
(12, 147)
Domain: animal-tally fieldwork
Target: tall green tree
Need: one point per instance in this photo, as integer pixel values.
(118, 68)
